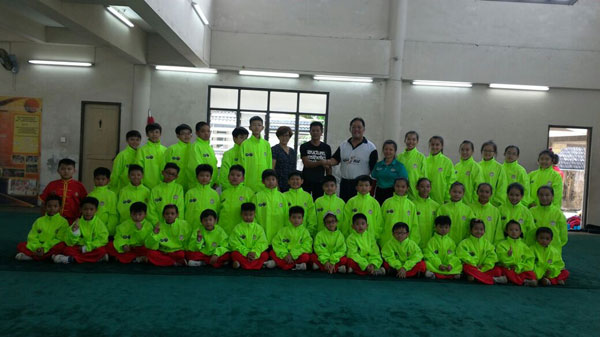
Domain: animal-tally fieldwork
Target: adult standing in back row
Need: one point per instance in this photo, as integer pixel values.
(357, 156)
(315, 154)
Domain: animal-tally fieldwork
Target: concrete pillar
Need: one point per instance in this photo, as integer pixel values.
(393, 92)
(141, 97)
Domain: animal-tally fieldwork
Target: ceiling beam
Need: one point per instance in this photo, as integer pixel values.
(19, 25)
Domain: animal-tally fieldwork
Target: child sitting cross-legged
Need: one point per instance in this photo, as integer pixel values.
(292, 245)
(208, 243)
(403, 254)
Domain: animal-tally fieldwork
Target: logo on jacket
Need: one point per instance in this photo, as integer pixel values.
(390, 211)
(205, 155)
(491, 174)
(262, 204)
(243, 237)
(176, 158)
(193, 200)
(323, 245)
(248, 154)
(319, 210)
(150, 157)
(159, 199)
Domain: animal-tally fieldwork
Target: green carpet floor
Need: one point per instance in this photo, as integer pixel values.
(142, 300)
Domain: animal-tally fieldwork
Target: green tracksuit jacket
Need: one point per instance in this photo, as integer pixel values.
(416, 165)
(363, 249)
(151, 157)
(477, 252)
(178, 153)
(461, 216)
(367, 205)
(494, 231)
(469, 173)
(426, 213)
(127, 196)
(441, 250)
(248, 237)
(231, 157)
(107, 207)
(271, 211)
(330, 246)
(405, 254)
(256, 157)
(399, 208)
(200, 152)
(46, 232)
(547, 259)
(519, 213)
(548, 177)
(171, 237)
(492, 173)
(292, 240)
(197, 200)
(128, 234)
(230, 206)
(521, 259)
(515, 173)
(215, 242)
(553, 218)
(91, 234)
(119, 177)
(440, 172)
(329, 203)
(303, 199)
(165, 194)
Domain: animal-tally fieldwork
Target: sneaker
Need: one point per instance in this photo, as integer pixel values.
(545, 282)
(501, 279)
(342, 270)
(104, 258)
(530, 283)
(300, 266)
(194, 263)
(380, 272)
(561, 282)
(270, 264)
(350, 270)
(429, 275)
(59, 258)
(235, 265)
(23, 257)
(141, 259)
(315, 266)
(457, 276)
(470, 278)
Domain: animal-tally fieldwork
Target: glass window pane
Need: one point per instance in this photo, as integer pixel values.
(245, 120)
(283, 101)
(277, 120)
(221, 125)
(315, 103)
(223, 98)
(254, 99)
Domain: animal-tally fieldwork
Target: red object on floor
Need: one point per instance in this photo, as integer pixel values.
(93, 256)
(315, 259)
(303, 258)
(57, 249)
(356, 268)
(483, 277)
(564, 274)
(515, 278)
(198, 256)
(162, 259)
(246, 264)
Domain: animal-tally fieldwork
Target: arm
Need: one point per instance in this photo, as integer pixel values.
(490, 257)
(373, 157)
(464, 253)
(223, 246)
(375, 254)
(415, 256)
(236, 243)
(502, 253)
(354, 254)
(562, 228)
(322, 252)
(33, 238)
(557, 185)
(305, 247)
(390, 257)
(117, 171)
(430, 254)
(335, 159)
(261, 244)
(280, 248)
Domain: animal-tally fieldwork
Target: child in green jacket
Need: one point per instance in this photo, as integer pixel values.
(440, 171)
(296, 196)
(515, 210)
(478, 256)
(548, 215)
(120, 172)
(460, 213)
(492, 172)
(151, 156)
(365, 204)
(208, 244)
(402, 254)
(168, 192)
(233, 198)
(514, 172)
(272, 207)
(363, 256)
(178, 154)
(414, 162)
(329, 202)
(515, 258)
(399, 209)
(426, 209)
(545, 176)
(128, 245)
(292, 245)
(440, 254)
(107, 208)
(468, 172)
(167, 242)
(201, 197)
(132, 193)
(248, 242)
(549, 265)
(45, 237)
(490, 215)
(329, 247)
(232, 156)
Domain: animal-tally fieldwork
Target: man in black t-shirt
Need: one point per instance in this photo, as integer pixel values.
(314, 156)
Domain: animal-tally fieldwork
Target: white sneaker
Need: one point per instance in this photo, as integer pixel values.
(430, 275)
(59, 258)
(500, 279)
(104, 258)
(194, 263)
(300, 266)
(350, 270)
(342, 269)
(22, 257)
(380, 272)
(270, 264)
(315, 266)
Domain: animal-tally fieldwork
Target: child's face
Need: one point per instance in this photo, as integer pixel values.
(329, 188)
(204, 133)
(209, 223)
(204, 177)
(465, 151)
(248, 216)
(513, 230)
(296, 219)
(545, 161)
(315, 133)
(154, 135)
(484, 193)
(435, 146)
(52, 207)
(185, 135)
(134, 142)
(66, 171)
(101, 180)
(235, 177)
(135, 177)
(360, 225)
(88, 211)
(514, 196)
(270, 182)
(488, 152)
(331, 223)
(240, 139)
(389, 151)
(545, 197)
(424, 188)
(400, 234)
(442, 229)
(256, 127)
(411, 141)
(295, 182)
(170, 174)
(138, 216)
(478, 230)
(511, 155)
(363, 187)
(544, 239)
(400, 187)
(457, 193)
(170, 214)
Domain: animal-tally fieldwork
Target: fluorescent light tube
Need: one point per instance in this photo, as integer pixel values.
(188, 69)
(519, 87)
(200, 13)
(268, 74)
(443, 83)
(119, 16)
(343, 78)
(61, 63)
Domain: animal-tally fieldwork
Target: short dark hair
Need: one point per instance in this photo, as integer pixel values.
(315, 123)
(390, 142)
(468, 142)
(295, 173)
(363, 177)
(90, 200)
(182, 127)
(330, 214)
(172, 166)
(358, 216)
(411, 132)
(490, 142)
(545, 187)
(422, 180)
(137, 207)
(102, 171)
(547, 152)
(296, 210)
(268, 173)
(239, 131)
(327, 179)
(135, 167)
(443, 220)
(133, 134)
(204, 168)
(544, 230)
(362, 121)
(248, 206)
(173, 206)
(517, 186)
(457, 183)
(152, 127)
(399, 225)
(66, 161)
(440, 138)
(485, 184)
(510, 223)
(54, 197)
(513, 147)
(206, 213)
(401, 179)
(256, 118)
(199, 125)
(476, 221)
(238, 168)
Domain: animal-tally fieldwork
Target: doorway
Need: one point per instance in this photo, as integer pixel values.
(100, 125)
(572, 145)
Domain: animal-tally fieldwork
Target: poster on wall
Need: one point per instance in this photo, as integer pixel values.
(20, 134)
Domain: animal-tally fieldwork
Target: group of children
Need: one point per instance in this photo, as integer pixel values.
(172, 217)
